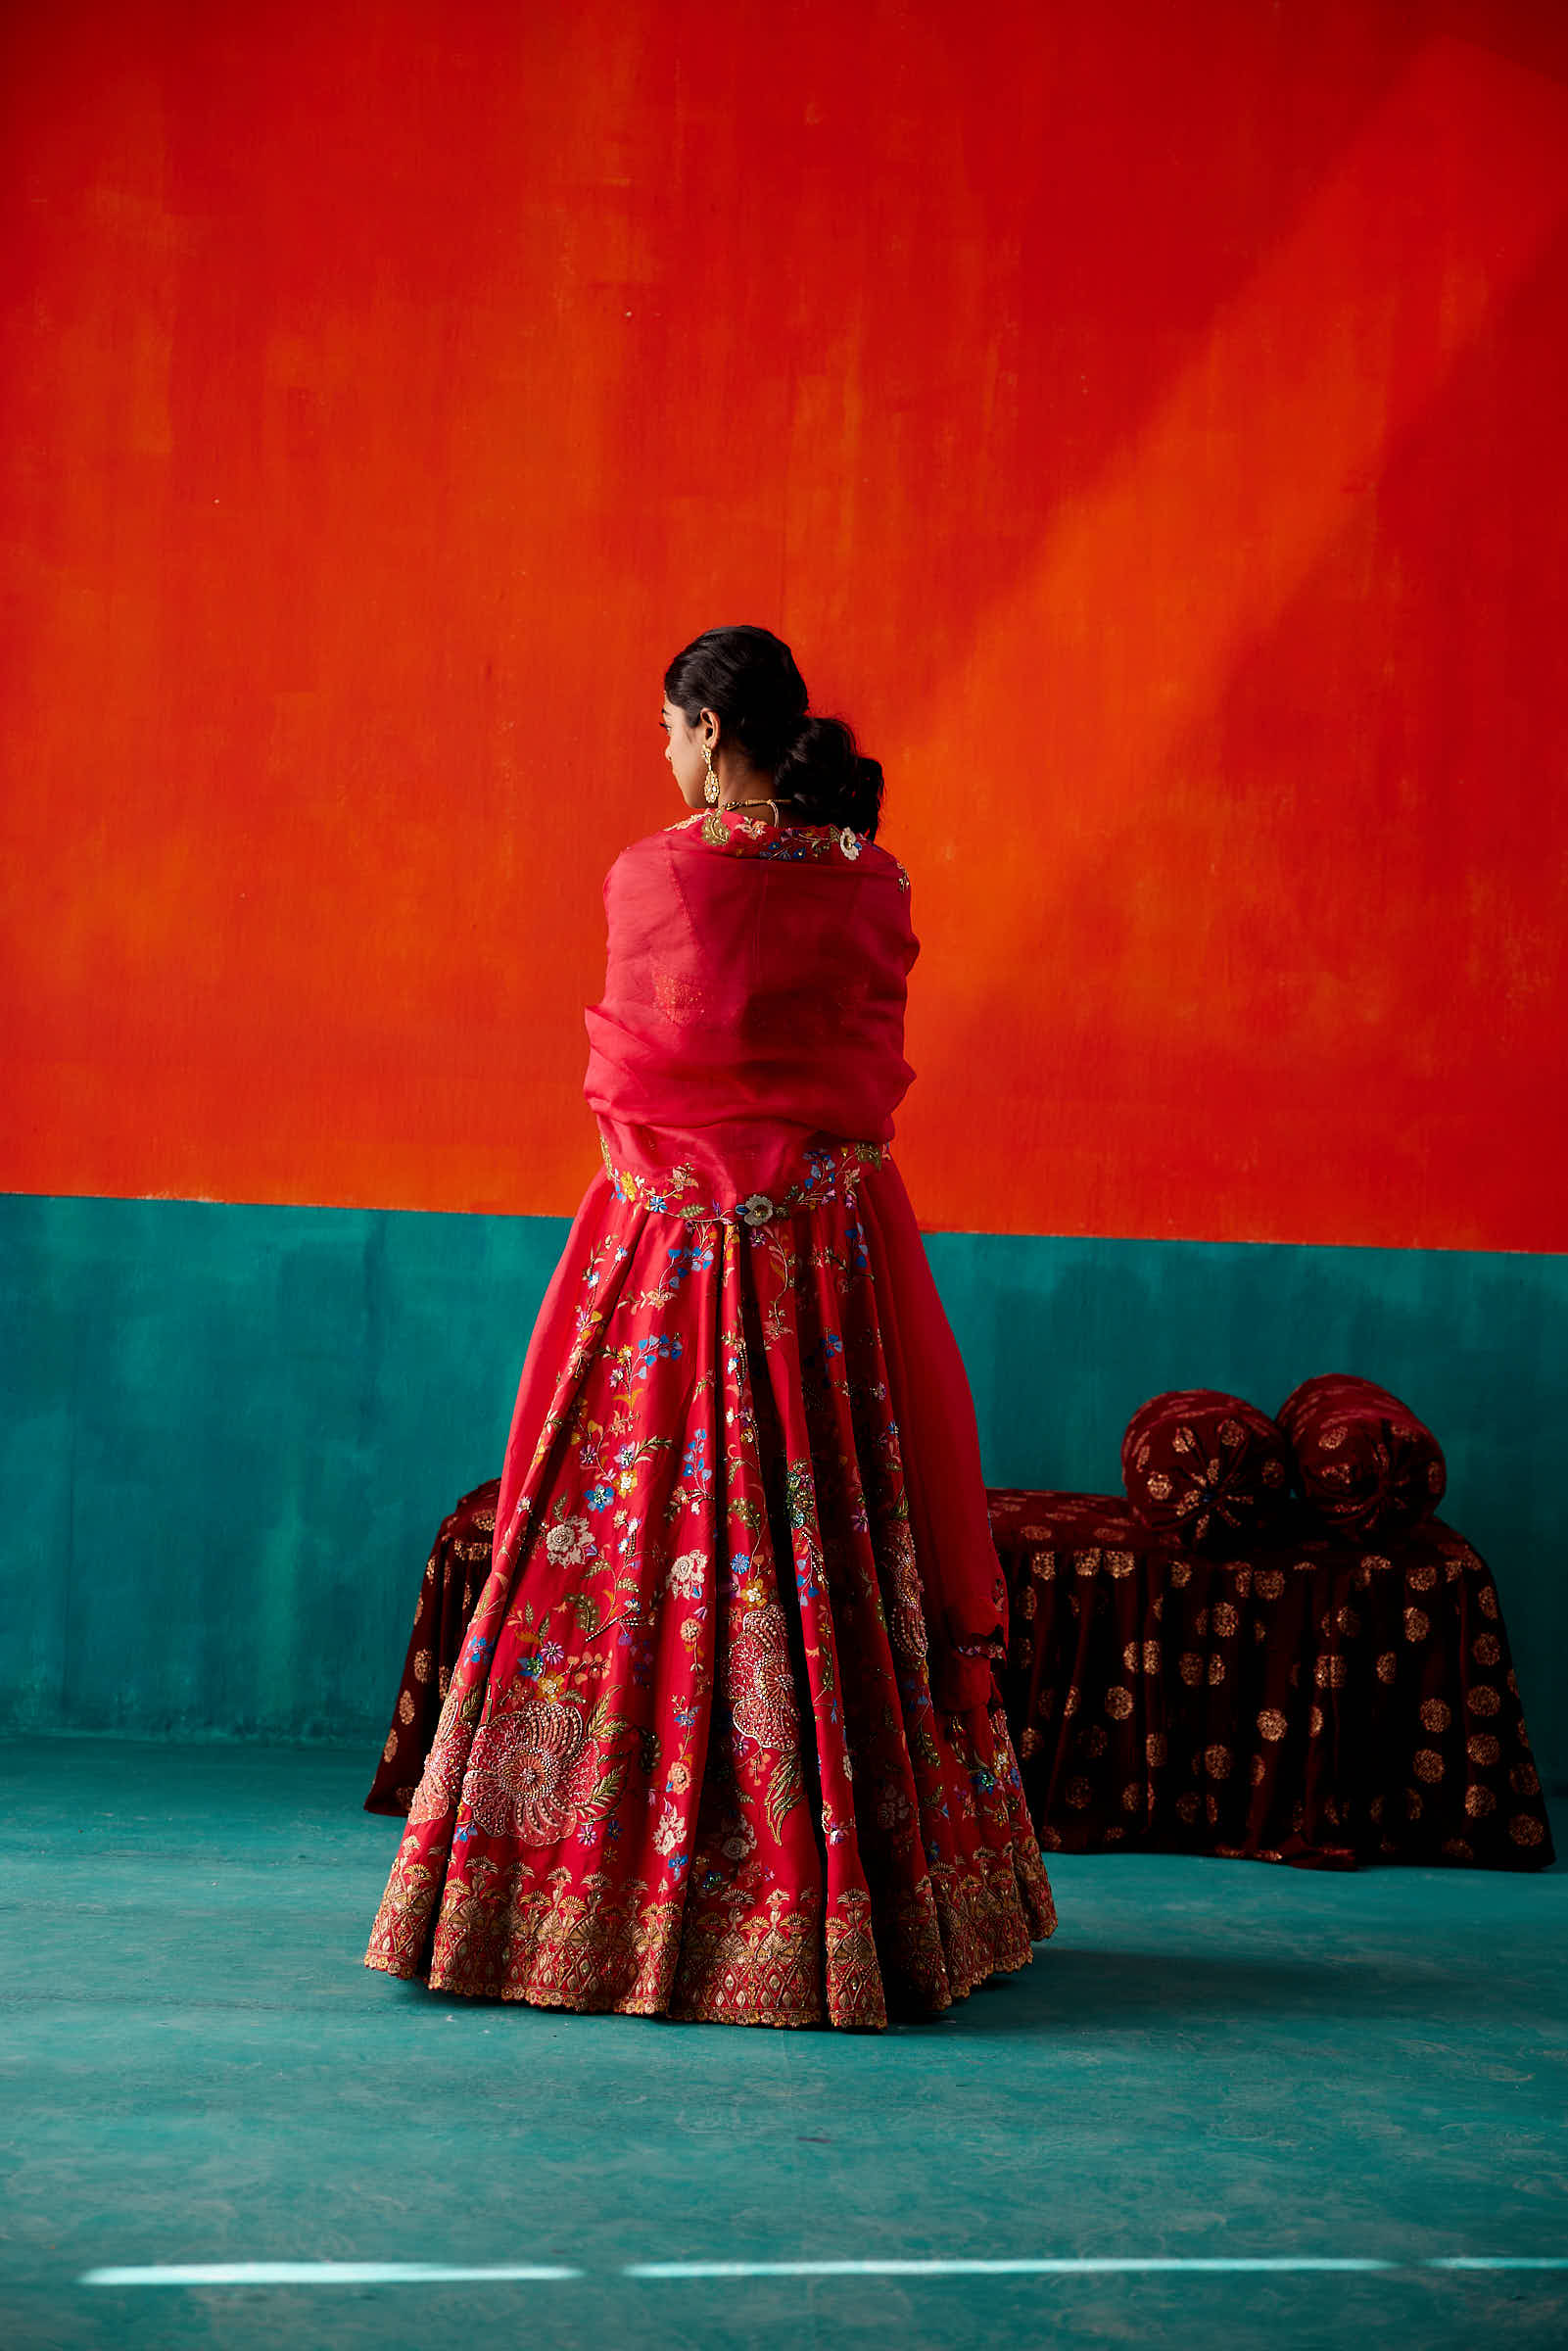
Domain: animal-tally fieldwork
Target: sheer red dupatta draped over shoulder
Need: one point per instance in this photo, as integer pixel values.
(753, 1004)
(753, 998)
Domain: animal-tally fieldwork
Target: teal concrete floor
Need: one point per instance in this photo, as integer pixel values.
(1212, 2060)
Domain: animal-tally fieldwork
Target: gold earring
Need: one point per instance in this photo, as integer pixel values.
(710, 790)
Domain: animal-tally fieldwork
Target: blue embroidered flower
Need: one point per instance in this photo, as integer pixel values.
(692, 1463)
(598, 1498)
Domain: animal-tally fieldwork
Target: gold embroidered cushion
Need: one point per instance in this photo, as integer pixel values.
(1365, 1462)
(1210, 1470)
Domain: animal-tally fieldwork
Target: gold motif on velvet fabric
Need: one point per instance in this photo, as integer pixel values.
(1361, 1703)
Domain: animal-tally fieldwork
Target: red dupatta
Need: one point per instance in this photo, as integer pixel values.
(754, 997)
(753, 1001)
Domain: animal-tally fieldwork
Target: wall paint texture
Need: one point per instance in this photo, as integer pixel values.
(1143, 421)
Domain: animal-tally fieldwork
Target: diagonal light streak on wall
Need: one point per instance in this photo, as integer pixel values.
(1147, 591)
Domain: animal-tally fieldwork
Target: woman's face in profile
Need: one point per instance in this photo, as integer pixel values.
(683, 751)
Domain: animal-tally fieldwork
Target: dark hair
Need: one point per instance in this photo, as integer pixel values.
(748, 677)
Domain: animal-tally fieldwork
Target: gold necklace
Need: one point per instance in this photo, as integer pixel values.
(768, 802)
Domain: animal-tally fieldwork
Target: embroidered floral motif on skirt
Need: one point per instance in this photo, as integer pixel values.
(688, 1762)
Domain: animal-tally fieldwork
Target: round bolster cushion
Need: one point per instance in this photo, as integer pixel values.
(1365, 1463)
(1207, 1468)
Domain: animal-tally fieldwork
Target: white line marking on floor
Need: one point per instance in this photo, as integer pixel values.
(1028, 2267)
(325, 2273)
(432, 2273)
(1500, 2261)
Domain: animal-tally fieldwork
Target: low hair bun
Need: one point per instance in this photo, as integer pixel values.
(750, 677)
(828, 779)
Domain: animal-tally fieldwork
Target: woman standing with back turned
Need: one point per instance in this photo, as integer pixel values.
(723, 1741)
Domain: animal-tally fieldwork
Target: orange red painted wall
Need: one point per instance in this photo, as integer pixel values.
(1146, 423)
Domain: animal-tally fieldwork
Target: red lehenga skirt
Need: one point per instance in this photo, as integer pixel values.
(688, 1762)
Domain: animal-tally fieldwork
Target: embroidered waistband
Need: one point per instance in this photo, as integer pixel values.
(829, 1172)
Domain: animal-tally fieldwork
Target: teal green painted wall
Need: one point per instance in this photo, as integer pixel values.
(228, 1432)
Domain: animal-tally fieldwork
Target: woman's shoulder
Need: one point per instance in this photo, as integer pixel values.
(649, 849)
